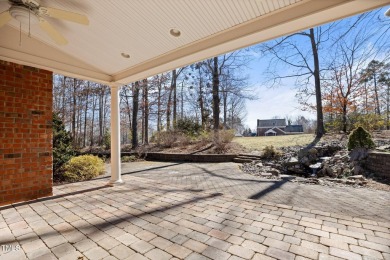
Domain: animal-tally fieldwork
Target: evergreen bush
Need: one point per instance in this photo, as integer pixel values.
(107, 140)
(360, 138)
(63, 150)
(83, 167)
(189, 126)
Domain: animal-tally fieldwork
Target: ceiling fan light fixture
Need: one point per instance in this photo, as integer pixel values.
(175, 32)
(23, 15)
(125, 55)
(387, 13)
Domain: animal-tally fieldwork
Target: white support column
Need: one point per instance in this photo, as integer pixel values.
(115, 138)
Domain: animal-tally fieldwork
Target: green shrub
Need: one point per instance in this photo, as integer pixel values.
(83, 167)
(269, 152)
(130, 158)
(369, 121)
(360, 138)
(63, 150)
(189, 126)
(107, 140)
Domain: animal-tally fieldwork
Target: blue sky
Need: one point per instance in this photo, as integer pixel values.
(281, 101)
(277, 101)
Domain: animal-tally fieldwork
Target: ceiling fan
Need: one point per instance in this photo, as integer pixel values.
(30, 11)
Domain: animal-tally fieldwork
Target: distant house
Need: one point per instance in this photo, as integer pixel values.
(269, 127)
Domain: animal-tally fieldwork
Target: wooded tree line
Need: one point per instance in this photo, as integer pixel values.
(344, 65)
(211, 92)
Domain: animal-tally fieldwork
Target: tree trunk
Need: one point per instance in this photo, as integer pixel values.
(93, 119)
(105, 96)
(224, 94)
(143, 113)
(366, 96)
(100, 141)
(128, 108)
(169, 109)
(201, 103)
(317, 84)
(146, 114)
(63, 99)
(159, 108)
(232, 115)
(182, 101)
(378, 109)
(388, 108)
(216, 95)
(134, 133)
(174, 78)
(74, 112)
(86, 115)
(345, 115)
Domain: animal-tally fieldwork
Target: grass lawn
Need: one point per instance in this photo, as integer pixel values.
(259, 142)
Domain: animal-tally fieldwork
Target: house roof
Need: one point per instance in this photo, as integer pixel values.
(142, 30)
(266, 123)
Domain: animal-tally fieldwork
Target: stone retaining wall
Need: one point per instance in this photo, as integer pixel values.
(174, 157)
(379, 163)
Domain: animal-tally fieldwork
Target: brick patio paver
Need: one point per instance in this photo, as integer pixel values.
(152, 217)
(228, 179)
(121, 252)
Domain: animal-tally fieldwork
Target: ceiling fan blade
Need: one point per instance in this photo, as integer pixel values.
(5, 17)
(64, 15)
(52, 32)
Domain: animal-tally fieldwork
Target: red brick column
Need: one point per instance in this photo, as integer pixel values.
(25, 133)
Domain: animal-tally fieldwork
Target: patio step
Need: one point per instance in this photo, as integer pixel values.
(246, 158)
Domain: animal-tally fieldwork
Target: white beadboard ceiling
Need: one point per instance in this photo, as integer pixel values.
(141, 29)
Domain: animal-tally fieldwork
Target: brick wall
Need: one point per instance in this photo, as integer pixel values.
(379, 163)
(25, 133)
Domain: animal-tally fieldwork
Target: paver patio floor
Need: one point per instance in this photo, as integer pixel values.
(227, 178)
(156, 218)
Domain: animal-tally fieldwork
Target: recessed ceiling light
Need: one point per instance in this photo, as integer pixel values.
(175, 32)
(125, 55)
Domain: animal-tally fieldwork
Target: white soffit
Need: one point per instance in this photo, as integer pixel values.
(141, 28)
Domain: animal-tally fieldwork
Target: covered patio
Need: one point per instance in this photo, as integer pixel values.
(119, 43)
(116, 44)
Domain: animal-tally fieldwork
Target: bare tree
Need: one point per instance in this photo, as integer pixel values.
(292, 52)
(218, 66)
(145, 101)
(349, 59)
(134, 132)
